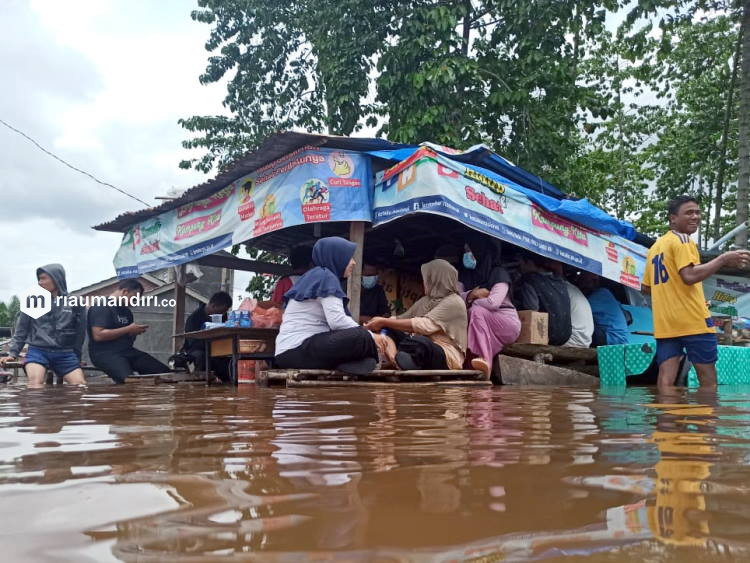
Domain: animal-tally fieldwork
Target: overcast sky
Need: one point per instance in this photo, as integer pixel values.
(101, 83)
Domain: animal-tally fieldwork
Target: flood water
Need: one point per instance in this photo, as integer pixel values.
(147, 473)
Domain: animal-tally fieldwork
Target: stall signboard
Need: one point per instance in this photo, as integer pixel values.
(428, 182)
(307, 186)
(728, 295)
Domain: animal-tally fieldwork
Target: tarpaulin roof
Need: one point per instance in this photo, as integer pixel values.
(545, 195)
(274, 147)
(284, 142)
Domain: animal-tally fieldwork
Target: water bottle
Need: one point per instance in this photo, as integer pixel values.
(233, 319)
(245, 320)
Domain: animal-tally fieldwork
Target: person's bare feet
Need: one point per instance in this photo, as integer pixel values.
(480, 364)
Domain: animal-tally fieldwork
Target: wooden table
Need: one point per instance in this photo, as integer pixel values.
(225, 342)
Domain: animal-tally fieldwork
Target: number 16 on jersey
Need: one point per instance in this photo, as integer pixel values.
(661, 275)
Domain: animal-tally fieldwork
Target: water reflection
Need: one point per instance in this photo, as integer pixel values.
(402, 474)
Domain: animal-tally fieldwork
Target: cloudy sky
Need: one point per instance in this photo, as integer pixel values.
(101, 83)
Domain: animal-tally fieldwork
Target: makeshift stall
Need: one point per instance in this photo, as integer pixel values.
(395, 201)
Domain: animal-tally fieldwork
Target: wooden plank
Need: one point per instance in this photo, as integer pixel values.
(354, 288)
(383, 373)
(178, 319)
(327, 378)
(558, 353)
(396, 376)
(517, 371)
(244, 265)
(179, 377)
(354, 383)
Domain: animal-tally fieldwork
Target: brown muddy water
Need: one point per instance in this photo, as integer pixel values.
(144, 473)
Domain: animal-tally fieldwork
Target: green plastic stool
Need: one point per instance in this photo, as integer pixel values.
(617, 362)
(732, 367)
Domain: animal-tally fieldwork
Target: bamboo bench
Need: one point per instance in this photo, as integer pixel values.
(378, 378)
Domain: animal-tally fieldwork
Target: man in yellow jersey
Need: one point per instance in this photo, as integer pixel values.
(673, 276)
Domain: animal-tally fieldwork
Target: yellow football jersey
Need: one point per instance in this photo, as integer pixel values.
(679, 309)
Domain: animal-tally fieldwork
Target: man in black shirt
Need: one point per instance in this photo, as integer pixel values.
(538, 289)
(112, 334)
(372, 301)
(219, 304)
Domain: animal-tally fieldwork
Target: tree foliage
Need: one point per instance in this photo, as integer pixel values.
(9, 311)
(625, 102)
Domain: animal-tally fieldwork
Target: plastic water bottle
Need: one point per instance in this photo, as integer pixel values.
(233, 319)
(245, 320)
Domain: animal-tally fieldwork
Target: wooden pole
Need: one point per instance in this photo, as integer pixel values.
(178, 320)
(354, 289)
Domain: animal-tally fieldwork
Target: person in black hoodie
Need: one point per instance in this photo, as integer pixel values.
(54, 339)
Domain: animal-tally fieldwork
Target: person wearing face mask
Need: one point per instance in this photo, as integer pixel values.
(373, 302)
(432, 333)
(317, 331)
(493, 320)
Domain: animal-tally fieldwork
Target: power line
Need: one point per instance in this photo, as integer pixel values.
(94, 178)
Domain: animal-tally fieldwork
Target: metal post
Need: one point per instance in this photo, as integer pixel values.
(354, 289)
(726, 237)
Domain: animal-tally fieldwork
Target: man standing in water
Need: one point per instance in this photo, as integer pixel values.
(673, 277)
(55, 338)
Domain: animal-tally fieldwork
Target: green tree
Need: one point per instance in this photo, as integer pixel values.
(699, 60)
(496, 71)
(4, 316)
(9, 311)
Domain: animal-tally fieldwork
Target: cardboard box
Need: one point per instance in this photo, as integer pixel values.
(534, 327)
(223, 347)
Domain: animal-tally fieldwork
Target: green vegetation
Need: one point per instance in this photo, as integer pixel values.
(625, 102)
(9, 311)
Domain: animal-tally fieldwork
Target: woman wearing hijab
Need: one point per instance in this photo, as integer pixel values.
(317, 331)
(432, 333)
(493, 320)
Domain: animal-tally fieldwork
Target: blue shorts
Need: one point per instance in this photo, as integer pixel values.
(62, 362)
(701, 348)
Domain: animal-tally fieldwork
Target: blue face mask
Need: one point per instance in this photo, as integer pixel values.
(469, 261)
(368, 282)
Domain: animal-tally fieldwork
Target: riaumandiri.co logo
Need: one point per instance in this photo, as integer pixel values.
(35, 301)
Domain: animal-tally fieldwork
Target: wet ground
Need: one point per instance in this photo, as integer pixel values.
(144, 473)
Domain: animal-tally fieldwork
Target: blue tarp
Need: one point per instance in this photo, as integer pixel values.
(540, 192)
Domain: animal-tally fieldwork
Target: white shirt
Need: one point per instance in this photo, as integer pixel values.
(581, 318)
(303, 319)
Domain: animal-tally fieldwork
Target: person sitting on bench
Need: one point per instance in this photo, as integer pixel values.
(300, 259)
(431, 335)
(112, 334)
(373, 301)
(493, 320)
(610, 325)
(317, 331)
(219, 304)
(539, 289)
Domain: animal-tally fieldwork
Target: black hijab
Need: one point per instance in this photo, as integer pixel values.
(489, 270)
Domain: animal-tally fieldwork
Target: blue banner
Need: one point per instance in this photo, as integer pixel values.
(307, 186)
(430, 182)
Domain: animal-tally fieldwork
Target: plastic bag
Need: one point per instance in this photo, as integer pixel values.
(266, 318)
(248, 304)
